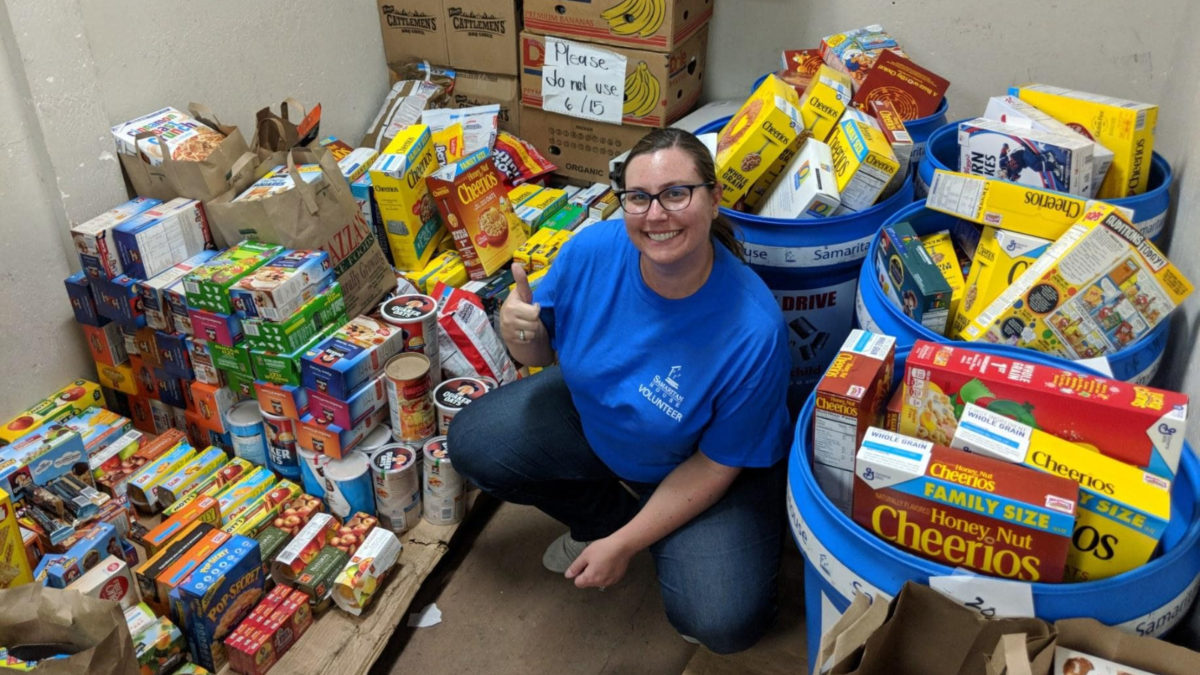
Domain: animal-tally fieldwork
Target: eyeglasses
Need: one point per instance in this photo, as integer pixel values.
(674, 198)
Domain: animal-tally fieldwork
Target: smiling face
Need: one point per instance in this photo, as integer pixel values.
(676, 241)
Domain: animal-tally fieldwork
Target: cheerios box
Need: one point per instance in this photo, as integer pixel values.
(215, 598)
(863, 163)
(1139, 425)
(1097, 289)
(1004, 204)
(207, 287)
(413, 224)
(1000, 257)
(767, 125)
(824, 101)
(940, 247)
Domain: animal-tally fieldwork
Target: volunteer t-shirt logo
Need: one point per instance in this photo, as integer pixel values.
(663, 393)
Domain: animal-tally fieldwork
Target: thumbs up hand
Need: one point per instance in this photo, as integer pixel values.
(520, 319)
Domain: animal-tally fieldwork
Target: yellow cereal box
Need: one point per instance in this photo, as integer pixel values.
(1097, 289)
(767, 125)
(1000, 257)
(824, 101)
(410, 218)
(863, 163)
(453, 274)
(545, 254)
(524, 255)
(420, 278)
(14, 564)
(1011, 206)
(1122, 509)
(1124, 127)
(940, 248)
(522, 192)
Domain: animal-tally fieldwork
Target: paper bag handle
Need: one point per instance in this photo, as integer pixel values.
(293, 103)
(205, 114)
(1010, 656)
(307, 192)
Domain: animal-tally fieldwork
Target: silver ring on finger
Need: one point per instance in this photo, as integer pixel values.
(521, 335)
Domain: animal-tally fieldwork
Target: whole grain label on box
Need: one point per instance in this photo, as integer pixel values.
(767, 125)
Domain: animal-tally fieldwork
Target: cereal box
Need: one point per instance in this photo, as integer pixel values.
(1125, 127)
(854, 51)
(544, 255)
(1004, 204)
(891, 124)
(863, 163)
(807, 188)
(239, 496)
(141, 487)
(849, 399)
(279, 288)
(473, 202)
(71, 399)
(962, 509)
(303, 548)
(284, 369)
(217, 596)
(284, 400)
(913, 91)
(1043, 159)
(1122, 510)
(910, 279)
(333, 440)
(59, 570)
(940, 248)
(160, 237)
(110, 580)
(802, 61)
(14, 563)
(518, 195)
(94, 239)
(1096, 290)
(157, 643)
(83, 303)
(232, 360)
(358, 581)
(212, 402)
(413, 224)
(895, 404)
(354, 354)
(768, 125)
(216, 327)
(186, 138)
(264, 510)
(207, 287)
(1139, 425)
(1000, 257)
(360, 404)
(326, 308)
(824, 101)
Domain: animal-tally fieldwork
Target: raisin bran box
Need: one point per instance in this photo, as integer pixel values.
(963, 509)
(215, 598)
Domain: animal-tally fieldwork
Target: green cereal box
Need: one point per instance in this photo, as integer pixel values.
(328, 308)
(215, 598)
(235, 359)
(910, 278)
(284, 368)
(207, 287)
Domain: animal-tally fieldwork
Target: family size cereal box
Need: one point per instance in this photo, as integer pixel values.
(909, 277)
(1000, 258)
(940, 248)
(1043, 159)
(473, 202)
(276, 290)
(863, 163)
(1142, 426)
(1096, 290)
(156, 239)
(14, 563)
(1123, 126)
(215, 598)
(767, 126)
(71, 399)
(94, 239)
(207, 286)
(807, 188)
(413, 224)
(854, 51)
(1123, 510)
(849, 398)
(963, 509)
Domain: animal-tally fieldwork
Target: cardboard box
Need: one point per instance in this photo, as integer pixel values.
(472, 89)
(482, 35)
(106, 344)
(212, 403)
(999, 203)
(195, 472)
(303, 548)
(92, 546)
(1042, 159)
(413, 224)
(940, 248)
(667, 24)
(863, 163)
(1142, 426)
(232, 361)
(117, 300)
(1000, 258)
(910, 279)
(203, 509)
(285, 400)
(807, 188)
(74, 398)
(581, 148)
(141, 487)
(94, 239)
(368, 568)
(156, 239)
(962, 509)
(317, 577)
(677, 76)
(217, 596)
(363, 401)
(262, 511)
(413, 30)
(276, 290)
(355, 353)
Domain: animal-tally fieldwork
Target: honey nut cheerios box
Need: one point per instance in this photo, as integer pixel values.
(1000, 257)
(767, 127)
(863, 163)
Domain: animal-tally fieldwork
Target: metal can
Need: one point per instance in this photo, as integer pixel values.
(416, 316)
(245, 424)
(281, 445)
(489, 381)
(348, 486)
(443, 492)
(397, 482)
(379, 436)
(312, 471)
(409, 398)
(452, 396)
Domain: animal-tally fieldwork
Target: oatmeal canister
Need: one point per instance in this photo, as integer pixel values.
(416, 316)
(397, 483)
(409, 398)
(443, 491)
(452, 396)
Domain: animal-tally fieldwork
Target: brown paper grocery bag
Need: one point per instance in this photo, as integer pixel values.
(292, 126)
(202, 179)
(94, 629)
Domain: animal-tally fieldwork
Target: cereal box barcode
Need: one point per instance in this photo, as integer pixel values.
(1141, 121)
(250, 329)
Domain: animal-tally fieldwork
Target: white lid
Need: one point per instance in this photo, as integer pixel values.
(349, 467)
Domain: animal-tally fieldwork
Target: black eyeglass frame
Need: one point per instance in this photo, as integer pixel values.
(655, 197)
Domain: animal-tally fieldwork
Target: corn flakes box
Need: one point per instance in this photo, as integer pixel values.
(215, 598)
(70, 400)
(863, 163)
(1123, 510)
(1043, 159)
(94, 239)
(1000, 257)
(766, 127)
(207, 287)
(413, 224)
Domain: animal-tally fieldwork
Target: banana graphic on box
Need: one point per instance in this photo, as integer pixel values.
(641, 92)
(642, 17)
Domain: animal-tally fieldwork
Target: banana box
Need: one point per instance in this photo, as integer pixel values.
(824, 102)
(238, 497)
(1123, 510)
(909, 277)
(1096, 290)
(807, 188)
(768, 124)
(141, 486)
(207, 287)
(1138, 425)
(863, 163)
(327, 308)
(658, 25)
(215, 598)
(70, 400)
(538, 208)
(191, 474)
(233, 471)
(940, 248)
(14, 563)
(1124, 127)
(1043, 159)
(1000, 257)
(412, 222)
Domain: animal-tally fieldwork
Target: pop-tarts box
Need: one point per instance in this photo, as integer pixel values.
(173, 352)
(83, 303)
(223, 329)
(94, 239)
(354, 354)
(40, 457)
(359, 405)
(117, 299)
(215, 598)
(158, 238)
(57, 571)
(276, 290)
(152, 291)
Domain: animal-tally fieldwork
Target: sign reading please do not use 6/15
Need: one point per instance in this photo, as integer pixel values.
(583, 80)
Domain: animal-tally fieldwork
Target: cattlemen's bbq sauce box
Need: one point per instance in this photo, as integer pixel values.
(963, 509)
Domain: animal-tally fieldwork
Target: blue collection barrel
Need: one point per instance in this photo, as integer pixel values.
(1149, 208)
(1137, 363)
(812, 268)
(841, 558)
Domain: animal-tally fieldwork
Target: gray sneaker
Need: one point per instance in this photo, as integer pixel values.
(562, 552)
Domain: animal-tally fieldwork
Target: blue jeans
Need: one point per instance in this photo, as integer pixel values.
(523, 443)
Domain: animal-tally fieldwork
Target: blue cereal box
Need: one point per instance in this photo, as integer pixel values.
(158, 238)
(223, 329)
(153, 292)
(57, 571)
(279, 288)
(94, 239)
(117, 299)
(170, 391)
(215, 598)
(39, 457)
(354, 354)
(83, 303)
(98, 427)
(173, 353)
(349, 413)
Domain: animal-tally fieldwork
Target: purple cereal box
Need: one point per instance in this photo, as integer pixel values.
(223, 329)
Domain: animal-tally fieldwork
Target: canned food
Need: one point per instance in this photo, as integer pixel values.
(245, 425)
(397, 486)
(416, 316)
(452, 396)
(409, 397)
(281, 445)
(443, 492)
(348, 486)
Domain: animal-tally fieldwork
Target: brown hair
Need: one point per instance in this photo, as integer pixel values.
(723, 231)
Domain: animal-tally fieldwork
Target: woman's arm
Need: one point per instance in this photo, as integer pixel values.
(521, 324)
(686, 492)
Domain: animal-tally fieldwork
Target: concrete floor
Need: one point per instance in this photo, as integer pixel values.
(503, 613)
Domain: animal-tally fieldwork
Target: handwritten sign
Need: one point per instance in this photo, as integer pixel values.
(993, 598)
(583, 80)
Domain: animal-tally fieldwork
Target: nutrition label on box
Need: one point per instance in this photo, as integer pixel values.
(959, 195)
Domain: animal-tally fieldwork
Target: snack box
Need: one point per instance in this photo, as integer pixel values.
(535, 210)
(112, 477)
(106, 344)
(1142, 426)
(284, 368)
(240, 384)
(914, 91)
(1000, 257)
(117, 300)
(854, 52)
(824, 101)
(420, 278)
(98, 427)
(233, 471)
(284, 400)
(239, 496)
(1069, 661)
(267, 637)
(255, 518)
(217, 596)
(1043, 159)
(807, 188)
(1013, 111)
(74, 398)
(118, 378)
(212, 402)
(152, 291)
(863, 164)
(607, 204)
(215, 327)
(276, 290)
(317, 577)
(325, 309)
(83, 303)
(1123, 126)
(141, 486)
(524, 254)
(454, 274)
(110, 580)
(14, 561)
(191, 474)
(173, 352)
(413, 224)
(909, 277)
(566, 218)
(849, 399)
(174, 572)
(59, 570)
(521, 193)
(335, 441)
(355, 353)
(38, 458)
(358, 581)
(768, 125)
(156, 239)
(204, 509)
(544, 255)
(1096, 290)
(1123, 510)
(303, 547)
(962, 509)
(157, 643)
(207, 287)
(940, 247)
(368, 398)
(171, 392)
(147, 572)
(94, 239)
(295, 514)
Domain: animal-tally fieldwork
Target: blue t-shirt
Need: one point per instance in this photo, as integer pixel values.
(654, 379)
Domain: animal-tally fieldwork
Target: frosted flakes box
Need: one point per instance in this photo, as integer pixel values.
(767, 126)
(1043, 159)
(216, 597)
(207, 286)
(863, 163)
(94, 239)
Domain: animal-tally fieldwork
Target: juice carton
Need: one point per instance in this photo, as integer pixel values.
(854, 52)
(83, 302)
(156, 239)
(1123, 510)
(276, 290)
(1000, 257)
(1043, 159)
(207, 287)
(849, 399)
(94, 239)
(1142, 426)
(70, 400)
(913, 91)
(963, 509)
(807, 188)
(409, 216)
(326, 308)
(217, 596)
(1097, 289)
(1125, 127)
(14, 563)
(940, 248)
(863, 163)
(767, 126)
(910, 279)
